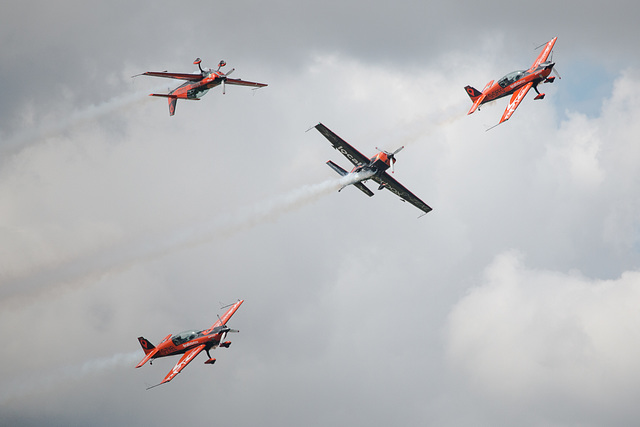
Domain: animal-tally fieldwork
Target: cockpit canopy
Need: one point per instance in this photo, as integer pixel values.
(511, 78)
(185, 336)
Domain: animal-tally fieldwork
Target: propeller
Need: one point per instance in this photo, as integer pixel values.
(224, 328)
(391, 156)
(224, 79)
(553, 66)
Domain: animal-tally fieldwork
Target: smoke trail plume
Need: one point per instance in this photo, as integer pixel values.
(22, 387)
(86, 270)
(41, 131)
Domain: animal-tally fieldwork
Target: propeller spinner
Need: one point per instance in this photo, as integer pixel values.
(391, 156)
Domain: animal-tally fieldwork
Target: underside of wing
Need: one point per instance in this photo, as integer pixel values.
(240, 82)
(545, 53)
(399, 190)
(515, 100)
(184, 361)
(360, 186)
(181, 76)
(354, 156)
(227, 315)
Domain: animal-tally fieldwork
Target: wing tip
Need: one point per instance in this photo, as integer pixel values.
(153, 386)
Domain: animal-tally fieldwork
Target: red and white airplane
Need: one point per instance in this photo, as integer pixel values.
(516, 83)
(197, 84)
(190, 344)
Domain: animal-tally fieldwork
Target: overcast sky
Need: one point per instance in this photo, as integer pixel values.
(514, 302)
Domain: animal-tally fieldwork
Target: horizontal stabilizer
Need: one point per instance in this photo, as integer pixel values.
(337, 168)
(173, 100)
(168, 95)
(477, 101)
(147, 357)
(359, 185)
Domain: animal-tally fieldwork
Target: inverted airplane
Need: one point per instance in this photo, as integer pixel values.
(516, 84)
(374, 168)
(190, 344)
(197, 84)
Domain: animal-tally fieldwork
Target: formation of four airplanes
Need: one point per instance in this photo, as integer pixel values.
(516, 84)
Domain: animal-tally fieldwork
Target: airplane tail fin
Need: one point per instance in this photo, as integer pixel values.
(473, 93)
(172, 105)
(147, 347)
(476, 96)
(173, 100)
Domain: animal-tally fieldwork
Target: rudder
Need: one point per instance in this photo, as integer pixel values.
(172, 105)
(473, 92)
(147, 347)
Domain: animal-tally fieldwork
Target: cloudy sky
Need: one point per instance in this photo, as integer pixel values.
(515, 302)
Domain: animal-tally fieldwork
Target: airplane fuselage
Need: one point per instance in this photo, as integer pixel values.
(195, 90)
(377, 164)
(517, 79)
(175, 345)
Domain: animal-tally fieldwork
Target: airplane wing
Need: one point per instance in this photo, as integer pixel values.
(399, 190)
(184, 361)
(181, 76)
(545, 53)
(516, 99)
(354, 156)
(227, 315)
(240, 82)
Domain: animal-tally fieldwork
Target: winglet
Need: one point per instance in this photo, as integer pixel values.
(149, 388)
(487, 130)
(312, 127)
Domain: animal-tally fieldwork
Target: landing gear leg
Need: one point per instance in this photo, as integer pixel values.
(210, 361)
(540, 95)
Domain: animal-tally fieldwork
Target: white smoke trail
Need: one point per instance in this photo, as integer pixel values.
(41, 131)
(26, 386)
(86, 270)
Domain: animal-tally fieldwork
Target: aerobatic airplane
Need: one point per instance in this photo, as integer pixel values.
(373, 168)
(197, 84)
(190, 343)
(517, 83)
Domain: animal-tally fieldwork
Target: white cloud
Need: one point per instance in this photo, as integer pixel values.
(522, 334)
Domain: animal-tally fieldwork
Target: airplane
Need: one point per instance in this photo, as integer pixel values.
(197, 84)
(517, 83)
(374, 168)
(190, 343)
